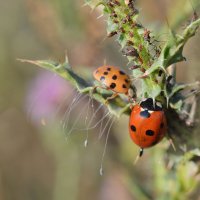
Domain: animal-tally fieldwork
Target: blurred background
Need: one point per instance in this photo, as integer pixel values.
(36, 160)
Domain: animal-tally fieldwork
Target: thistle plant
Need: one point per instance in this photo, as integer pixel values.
(150, 64)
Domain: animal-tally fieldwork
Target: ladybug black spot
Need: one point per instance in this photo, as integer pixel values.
(161, 125)
(108, 69)
(133, 128)
(105, 73)
(112, 85)
(145, 114)
(102, 78)
(126, 80)
(114, 77)
(121, 72)
(149, 132)
(124, 86)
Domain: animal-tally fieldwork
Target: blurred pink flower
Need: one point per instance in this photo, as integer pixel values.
(46, 94)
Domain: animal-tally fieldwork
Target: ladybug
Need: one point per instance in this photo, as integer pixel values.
(147, 124)
(114, 79)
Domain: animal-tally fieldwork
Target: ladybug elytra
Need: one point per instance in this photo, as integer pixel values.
(112, 78)
(147, 124)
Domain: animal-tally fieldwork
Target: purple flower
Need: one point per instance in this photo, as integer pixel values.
(45, 95)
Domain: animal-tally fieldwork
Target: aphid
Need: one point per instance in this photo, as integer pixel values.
(122, 29)
(147, 36)
(134, 25)
(131, 34)
(130, 43)
(134, 67)
(134, 12)
(130, 52)
(157, 52)
(194, 16)
(113, 3)
(147, 124)
(128, 18)
(114, 14)
(140, 47)
(130, 3)
(112, 78)
(116, 2)
(112, 33)
(142, 70)
(124, 21)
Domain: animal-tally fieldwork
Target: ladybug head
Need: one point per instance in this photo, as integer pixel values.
(149, 104)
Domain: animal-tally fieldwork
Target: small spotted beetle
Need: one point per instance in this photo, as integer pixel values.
(112, 78)
(147, 124)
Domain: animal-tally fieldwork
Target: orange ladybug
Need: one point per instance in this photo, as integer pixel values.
(147, 124)
(112, 78)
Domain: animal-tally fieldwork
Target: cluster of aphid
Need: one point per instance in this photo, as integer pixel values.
(147, 124)
(137, 45)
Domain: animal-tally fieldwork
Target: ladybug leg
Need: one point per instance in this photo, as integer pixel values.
(171, 141)
(114, 95)
(139, 155)
(141, 152)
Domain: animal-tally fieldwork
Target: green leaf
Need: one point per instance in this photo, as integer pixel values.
(177, 100)
(63, 70)
(150, 88)
(122, 40)
(173, 49)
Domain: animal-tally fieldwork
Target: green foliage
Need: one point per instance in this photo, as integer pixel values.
(179, 178)
(173, 49)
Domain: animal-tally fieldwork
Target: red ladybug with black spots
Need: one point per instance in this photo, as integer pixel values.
(147, 124)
